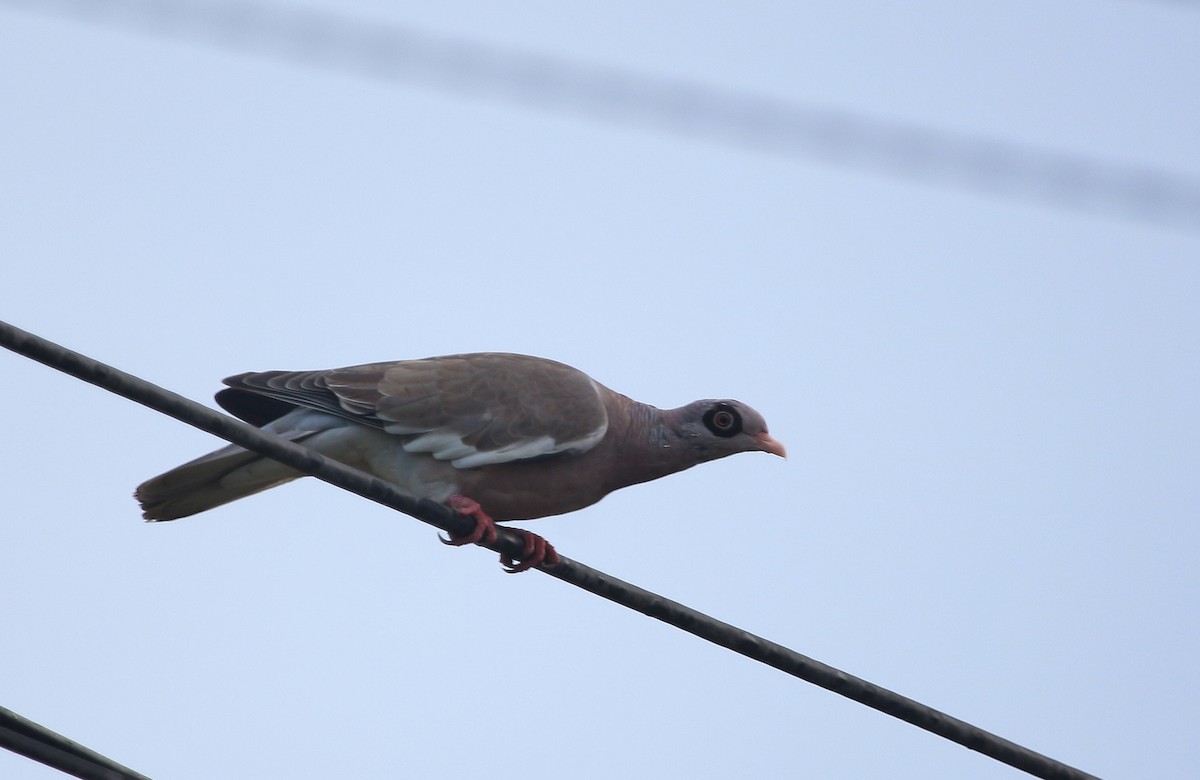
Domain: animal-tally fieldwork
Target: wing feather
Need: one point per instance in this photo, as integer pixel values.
(472, 410)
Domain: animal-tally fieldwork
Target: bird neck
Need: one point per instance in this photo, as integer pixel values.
(651, 446)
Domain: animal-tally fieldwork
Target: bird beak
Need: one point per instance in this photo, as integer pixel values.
(768, 444)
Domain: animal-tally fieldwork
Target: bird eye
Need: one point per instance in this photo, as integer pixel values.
(723, 421)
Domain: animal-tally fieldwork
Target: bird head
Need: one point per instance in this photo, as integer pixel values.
(713, 429)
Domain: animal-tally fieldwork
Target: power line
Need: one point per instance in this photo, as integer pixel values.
(573, 572)
(34, 741)
(786, 128)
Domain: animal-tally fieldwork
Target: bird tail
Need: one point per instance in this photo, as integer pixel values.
(217, 478)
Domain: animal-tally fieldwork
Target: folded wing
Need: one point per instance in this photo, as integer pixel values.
(472, 410)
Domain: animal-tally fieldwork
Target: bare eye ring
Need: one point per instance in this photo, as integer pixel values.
(723, 420)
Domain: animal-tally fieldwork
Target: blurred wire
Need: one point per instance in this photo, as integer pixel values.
(597, 582)
(765, 124)
(34, 741)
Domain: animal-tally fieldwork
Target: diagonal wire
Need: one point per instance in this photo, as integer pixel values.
(34, 741)
(573, 572)
(791, 129)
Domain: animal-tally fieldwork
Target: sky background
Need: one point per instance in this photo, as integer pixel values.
(990, 403)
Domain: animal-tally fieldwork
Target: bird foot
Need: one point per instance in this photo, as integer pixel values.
(536, 552)
(485, 527)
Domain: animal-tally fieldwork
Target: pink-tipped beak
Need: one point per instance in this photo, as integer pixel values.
(773, 446)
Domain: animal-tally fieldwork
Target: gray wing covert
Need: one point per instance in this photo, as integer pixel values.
(473, 410)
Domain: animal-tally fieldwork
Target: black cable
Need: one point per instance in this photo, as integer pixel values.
(611, 588)
(781, 127)
(34, 741)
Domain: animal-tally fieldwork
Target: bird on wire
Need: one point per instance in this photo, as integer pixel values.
(494, 436)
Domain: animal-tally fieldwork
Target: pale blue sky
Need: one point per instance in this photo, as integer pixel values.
(990, 404)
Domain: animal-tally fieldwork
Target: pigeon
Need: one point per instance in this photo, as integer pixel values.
(493, 436)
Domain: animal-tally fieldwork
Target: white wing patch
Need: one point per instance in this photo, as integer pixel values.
(403, 430)
(443, 445)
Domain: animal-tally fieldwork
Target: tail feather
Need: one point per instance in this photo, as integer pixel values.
(210, 481)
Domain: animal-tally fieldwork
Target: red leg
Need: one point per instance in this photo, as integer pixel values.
(485, 527)
(537, 551)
